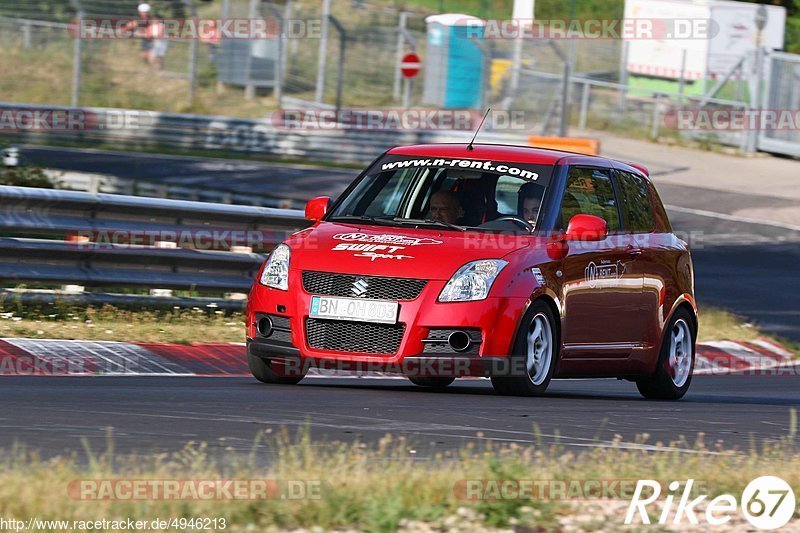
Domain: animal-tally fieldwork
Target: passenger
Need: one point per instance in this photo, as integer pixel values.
(530, 201)
(445, 207)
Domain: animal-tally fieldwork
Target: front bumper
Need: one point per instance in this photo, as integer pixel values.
(492, 323)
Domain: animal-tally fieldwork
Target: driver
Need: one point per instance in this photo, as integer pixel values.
(445, 207)
(530, 200)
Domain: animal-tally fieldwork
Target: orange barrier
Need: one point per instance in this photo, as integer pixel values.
(568, 144)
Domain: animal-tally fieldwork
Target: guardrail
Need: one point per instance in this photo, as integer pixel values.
(59, 237)
(128, 128)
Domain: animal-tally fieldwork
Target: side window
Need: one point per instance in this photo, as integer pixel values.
(507, 195)
(589, 191)
(637, 207)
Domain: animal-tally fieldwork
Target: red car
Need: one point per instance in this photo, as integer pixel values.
(516, 263)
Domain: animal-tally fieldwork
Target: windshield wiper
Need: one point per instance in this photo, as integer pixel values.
(430, 222)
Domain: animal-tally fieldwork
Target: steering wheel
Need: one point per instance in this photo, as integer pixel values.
(524, 224)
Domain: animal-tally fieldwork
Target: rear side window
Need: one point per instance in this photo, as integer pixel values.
(589, 192)
(637, 206)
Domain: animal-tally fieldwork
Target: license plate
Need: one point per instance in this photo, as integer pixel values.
(381, 311)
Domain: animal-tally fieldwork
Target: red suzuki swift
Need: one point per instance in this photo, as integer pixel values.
(451, 260)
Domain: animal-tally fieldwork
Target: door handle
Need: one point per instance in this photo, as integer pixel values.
(636, 252)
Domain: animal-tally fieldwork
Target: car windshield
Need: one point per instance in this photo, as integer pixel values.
(458, 194)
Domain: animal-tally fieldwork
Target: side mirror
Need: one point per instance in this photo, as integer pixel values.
(586, 228)
(317, 208)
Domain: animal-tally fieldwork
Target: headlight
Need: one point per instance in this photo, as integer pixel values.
(276, 271)
(473, 281)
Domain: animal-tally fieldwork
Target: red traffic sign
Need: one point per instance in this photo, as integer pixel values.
(410, 65)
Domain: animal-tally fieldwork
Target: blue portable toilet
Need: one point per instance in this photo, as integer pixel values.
(454, 61)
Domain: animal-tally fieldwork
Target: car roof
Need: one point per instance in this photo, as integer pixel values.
(511, 154)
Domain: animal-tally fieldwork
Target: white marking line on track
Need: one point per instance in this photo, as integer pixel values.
(732, 218)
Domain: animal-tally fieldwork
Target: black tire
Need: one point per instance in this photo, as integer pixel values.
(432, 382)
(273, 371)
(521, 383)
(661, 385)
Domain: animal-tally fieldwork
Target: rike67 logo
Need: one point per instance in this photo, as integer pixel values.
(767, 502)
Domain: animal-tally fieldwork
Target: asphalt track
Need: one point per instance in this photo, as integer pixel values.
(153, 414)
(745, 266)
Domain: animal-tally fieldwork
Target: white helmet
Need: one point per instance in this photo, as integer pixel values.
(144, 8)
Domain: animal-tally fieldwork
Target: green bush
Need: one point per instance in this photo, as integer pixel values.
(25, 177)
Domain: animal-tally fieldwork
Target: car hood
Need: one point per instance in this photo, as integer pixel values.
(396, 251)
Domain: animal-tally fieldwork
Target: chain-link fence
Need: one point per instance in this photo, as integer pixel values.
(322, 53)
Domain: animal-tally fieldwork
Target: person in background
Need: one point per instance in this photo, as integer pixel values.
(151, 33)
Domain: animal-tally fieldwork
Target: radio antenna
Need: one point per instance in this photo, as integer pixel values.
(469, 146)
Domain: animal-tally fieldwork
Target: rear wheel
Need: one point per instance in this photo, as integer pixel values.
(274, 371)
(431, 382)
(535, 355)
(675, 363)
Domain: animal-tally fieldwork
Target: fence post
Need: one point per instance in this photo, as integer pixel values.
(682, 81)
(250, 88)
(564, 126)
(584, 105)
(26, 35)
(340, 66)
(401, 26)
(277, 69)
(656, 126)
(756, 97)
(76, 65)
(192, 54)
(623, 76)
(323, 48)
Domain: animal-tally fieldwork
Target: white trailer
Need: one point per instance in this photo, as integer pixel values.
(732, 34)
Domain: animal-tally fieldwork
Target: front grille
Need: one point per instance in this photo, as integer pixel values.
(358, 337)
(378, 288)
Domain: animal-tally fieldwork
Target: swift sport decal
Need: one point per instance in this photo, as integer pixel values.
(372, 251)
(386, 238)
(374, 255)
(595, 273)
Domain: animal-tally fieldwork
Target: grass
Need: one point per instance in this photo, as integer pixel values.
(386, 486)
(181, 326)
(111, 324)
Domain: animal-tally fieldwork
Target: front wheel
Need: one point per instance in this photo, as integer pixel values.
(274, 371)
(535, 355)
(675, 363)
